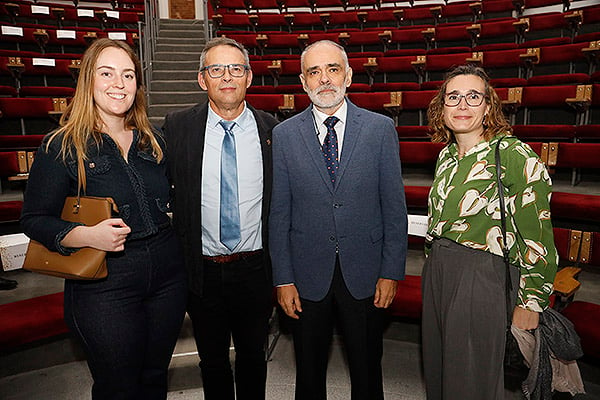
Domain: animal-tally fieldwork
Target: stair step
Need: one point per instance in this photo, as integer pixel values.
(160, 110)
(172, 33)
(166, 21)
(171, 85)
(184, 40)
(187, 65)
(179, 48)
(174, 83)
(179, 96)
(176, 56)
(165, 75)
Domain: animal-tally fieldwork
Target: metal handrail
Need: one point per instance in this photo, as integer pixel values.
(148, 40)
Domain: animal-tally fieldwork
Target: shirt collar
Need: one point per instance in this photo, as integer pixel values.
(241, 121)
(340, 113)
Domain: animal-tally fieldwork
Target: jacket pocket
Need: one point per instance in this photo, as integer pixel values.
(377, 234)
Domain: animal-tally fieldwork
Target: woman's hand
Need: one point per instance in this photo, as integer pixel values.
(108, 235)
(525, 319)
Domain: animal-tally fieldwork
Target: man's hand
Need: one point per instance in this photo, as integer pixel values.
(385, 292)
(288, 298)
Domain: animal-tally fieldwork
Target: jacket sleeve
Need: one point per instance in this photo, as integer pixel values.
(48, 185)
(529, 185)
(280, 214)
(393, 205)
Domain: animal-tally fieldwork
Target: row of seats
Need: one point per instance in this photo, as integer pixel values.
(577, 60)
(414, 11)
(519, 28)
(67, 15)
(49, 39)
(573, 104)
(399, 39)
(543, 133)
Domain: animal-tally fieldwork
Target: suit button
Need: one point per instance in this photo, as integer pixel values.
(336, 205)
(332, 238)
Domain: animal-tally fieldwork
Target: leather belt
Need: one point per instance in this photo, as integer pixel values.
(229, 258)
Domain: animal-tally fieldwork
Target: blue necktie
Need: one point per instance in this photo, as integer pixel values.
(230, 205)
(330, 147)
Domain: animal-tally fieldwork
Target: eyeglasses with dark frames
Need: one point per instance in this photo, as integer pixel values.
(473, 99)
(218, 70)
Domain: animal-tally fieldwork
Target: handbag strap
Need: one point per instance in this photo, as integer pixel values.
(81, 181)
(505, 250)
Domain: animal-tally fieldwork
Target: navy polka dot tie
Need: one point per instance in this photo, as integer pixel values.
(330, 147)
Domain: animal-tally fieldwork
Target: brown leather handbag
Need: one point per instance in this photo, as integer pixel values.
(86, 263)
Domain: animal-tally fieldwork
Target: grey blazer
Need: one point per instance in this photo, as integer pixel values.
(363, 214)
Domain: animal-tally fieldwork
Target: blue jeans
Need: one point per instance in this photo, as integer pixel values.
(128, 323)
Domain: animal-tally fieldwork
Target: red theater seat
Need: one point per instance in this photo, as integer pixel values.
(10, 211)
(31, 320)
(407, 302)
(585, 315)
(575, 206)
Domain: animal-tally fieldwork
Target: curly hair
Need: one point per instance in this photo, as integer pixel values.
(495, 122)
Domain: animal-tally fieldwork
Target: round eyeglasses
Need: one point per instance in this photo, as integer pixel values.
(473, 99)
(218, 70)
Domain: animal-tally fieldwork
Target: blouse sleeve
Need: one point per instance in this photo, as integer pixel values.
(48, 185)
(529, 187)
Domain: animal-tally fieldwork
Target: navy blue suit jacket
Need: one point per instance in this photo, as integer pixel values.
(363, 214)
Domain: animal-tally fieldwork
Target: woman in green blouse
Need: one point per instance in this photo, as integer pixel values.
(464, 300)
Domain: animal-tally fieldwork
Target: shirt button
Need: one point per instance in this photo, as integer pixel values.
(92, 165)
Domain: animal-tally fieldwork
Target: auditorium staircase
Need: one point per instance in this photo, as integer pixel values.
(174, 82)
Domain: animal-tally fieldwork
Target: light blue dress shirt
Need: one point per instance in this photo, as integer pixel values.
(250, 183)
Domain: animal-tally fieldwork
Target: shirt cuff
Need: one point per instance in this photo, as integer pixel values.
(65, 251)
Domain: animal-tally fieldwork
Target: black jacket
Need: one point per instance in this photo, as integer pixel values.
(184, 131)
(139, 187)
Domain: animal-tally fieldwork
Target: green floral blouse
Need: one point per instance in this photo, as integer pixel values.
(464, 207)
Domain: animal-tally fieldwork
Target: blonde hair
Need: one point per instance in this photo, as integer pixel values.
(81, 123)
(495, 123)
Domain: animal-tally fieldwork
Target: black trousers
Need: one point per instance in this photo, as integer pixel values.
(361, 325)
(236, 303)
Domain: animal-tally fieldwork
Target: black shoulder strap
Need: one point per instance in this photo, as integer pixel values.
(505, 250)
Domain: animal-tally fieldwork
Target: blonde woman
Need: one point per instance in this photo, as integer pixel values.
(464, 299)
(127, 323)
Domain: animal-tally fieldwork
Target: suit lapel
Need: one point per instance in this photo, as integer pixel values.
(351, 134)
(311, 141)
(195, 144)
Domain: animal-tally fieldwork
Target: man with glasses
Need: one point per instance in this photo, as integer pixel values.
(221, 170)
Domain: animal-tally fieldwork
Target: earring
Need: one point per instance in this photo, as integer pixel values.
(484, 121)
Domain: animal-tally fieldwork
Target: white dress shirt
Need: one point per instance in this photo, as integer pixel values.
(340, 126)
(250, 183)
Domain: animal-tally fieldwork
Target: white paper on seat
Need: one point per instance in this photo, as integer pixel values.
(112, 14)
(44, 62)
(82, 12)
(40, 10)
(65, 34)
(12, 30)
(417, 225)
(117, 35)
